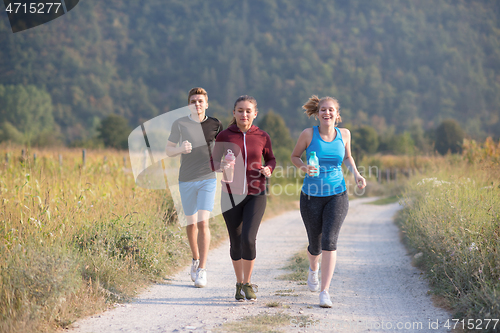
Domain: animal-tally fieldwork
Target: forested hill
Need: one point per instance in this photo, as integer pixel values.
(389, 62)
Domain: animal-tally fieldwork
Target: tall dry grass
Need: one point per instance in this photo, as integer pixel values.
(452, 217)
(75, 238)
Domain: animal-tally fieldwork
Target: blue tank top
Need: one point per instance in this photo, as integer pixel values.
(330, 156)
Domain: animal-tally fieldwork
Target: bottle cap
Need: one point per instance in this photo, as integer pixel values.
(230, 155)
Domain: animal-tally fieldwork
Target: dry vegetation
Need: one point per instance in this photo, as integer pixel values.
(452, 219)
(75, 238)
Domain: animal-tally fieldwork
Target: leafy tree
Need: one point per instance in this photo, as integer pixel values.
(275, 126)
(27, 110)
(9, 133)
(398, 144)
(282, 142)
(403, 144)
(364, 141)
(114, 131)
(421, 140)
(449, 137)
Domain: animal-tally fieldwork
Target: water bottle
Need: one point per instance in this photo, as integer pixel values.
(313, 160)
(228, 172)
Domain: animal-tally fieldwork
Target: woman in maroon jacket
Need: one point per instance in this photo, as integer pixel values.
(243, 200)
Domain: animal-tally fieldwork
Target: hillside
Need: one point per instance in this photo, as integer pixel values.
(390, 63)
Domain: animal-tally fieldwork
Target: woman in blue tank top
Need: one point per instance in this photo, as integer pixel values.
(323, 200)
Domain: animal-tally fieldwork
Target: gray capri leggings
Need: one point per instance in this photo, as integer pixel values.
(323, 217)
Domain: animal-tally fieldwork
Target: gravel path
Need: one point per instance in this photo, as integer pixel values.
(374, 287)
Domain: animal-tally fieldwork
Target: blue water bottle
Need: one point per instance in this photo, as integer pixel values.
(313, 160)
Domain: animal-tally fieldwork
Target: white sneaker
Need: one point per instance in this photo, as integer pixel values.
(324, 299)
(194, 268)
(312, 280)
(201, 278)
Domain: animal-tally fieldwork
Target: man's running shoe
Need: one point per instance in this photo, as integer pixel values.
(194, 268)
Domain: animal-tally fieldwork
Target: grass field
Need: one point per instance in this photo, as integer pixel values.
(452, 219)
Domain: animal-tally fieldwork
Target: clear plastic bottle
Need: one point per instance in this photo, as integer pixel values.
(228, 172)
(314, 161)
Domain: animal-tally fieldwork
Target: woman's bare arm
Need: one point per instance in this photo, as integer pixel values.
(349, 160)
(301, 145)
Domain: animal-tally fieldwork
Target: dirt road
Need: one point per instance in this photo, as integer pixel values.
(374, 288)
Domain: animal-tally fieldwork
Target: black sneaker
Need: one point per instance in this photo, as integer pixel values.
(249, 292)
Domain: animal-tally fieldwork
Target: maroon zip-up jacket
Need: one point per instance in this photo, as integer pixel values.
(249, 148)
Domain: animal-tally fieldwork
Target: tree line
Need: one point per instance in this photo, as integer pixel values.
(399, 67)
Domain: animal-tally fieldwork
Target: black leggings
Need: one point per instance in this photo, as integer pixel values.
(323, 217)
(243, 221)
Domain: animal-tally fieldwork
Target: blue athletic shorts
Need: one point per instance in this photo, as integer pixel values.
(198, 195)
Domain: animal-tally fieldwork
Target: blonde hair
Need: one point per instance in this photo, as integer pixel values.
(242, 99)
(197, 91)
(314, 103)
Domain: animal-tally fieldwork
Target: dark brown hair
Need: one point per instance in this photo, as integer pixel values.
(197, 91)
(242, 99)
